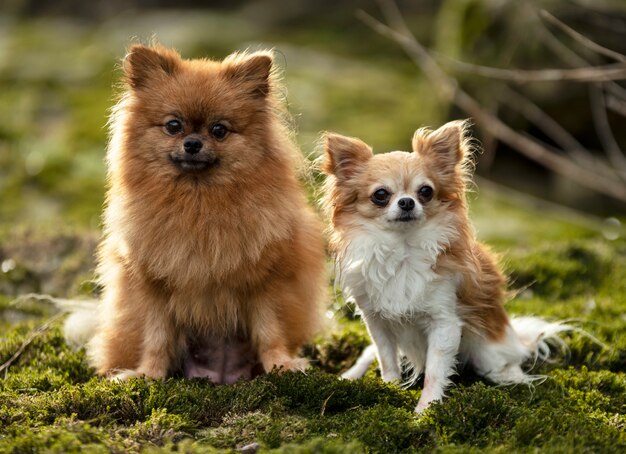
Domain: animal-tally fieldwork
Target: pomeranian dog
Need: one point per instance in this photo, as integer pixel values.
(406, 253)
(212, 263)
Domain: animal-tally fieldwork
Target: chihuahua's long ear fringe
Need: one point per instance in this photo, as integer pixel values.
(470, 147)
(451, 148)
(344, 155)
(451, 142)
(339, 158)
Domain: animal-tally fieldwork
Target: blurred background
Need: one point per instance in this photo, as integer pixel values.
(59, 67)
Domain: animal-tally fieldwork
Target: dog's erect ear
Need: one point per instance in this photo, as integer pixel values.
(143, 63)
(344, 155)
(445, 145)
(251, 71)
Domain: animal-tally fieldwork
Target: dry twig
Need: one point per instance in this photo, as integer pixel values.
(597, 97)
(603, 128)
(545, 122)
(582, 39)
(615, 71)
(36, 333)
(617, 94)
(556, 132)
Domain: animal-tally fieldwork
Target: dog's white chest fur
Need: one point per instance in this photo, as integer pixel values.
(391, 273)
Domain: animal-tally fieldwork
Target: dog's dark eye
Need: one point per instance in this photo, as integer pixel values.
(425, 193)
(219, 131)
(381, 197)
(174, 127)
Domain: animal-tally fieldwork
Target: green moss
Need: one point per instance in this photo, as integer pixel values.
(159, 428)
(337, 351)
(236, 430)
(50, 399)
(384, 428)
(569, 431)
(321, 445)
(477, 415)
(68, 437)
(592, 390)
(562, 270)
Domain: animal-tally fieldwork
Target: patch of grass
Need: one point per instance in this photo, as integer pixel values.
(50, 399)
(562, 270)
(338, 350)
(477, 415)
(570, 430)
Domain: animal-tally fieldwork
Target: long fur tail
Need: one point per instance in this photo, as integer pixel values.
(81, 324)
(539, 335)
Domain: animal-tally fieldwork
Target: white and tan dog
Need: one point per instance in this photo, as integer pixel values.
(407, 255)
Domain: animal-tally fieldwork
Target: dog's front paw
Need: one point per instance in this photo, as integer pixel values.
(283, 362)
(421, 406)
(292, 364)
(426, 401)
(391, 377)
(352, 374)
(123, 375)
(296, 364)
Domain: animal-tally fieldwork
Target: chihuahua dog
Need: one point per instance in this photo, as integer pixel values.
(212, 264)
(407, 255)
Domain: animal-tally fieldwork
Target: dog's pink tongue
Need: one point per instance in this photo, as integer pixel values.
(223, 361)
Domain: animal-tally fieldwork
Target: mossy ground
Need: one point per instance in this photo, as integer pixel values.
(51, 400)
(51, 190)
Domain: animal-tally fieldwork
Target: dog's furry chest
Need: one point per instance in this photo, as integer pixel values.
(214, 246)
(394, 277)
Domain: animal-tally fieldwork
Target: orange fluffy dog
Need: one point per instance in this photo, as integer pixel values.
(211, 262)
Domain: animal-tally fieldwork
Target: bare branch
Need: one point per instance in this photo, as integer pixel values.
(582, 39)
(603, 127)
(615, 104)
(542, 120)
(593, 164)
(556, 132)
(449, 89)
(615, 71)
(598, 101)
(617, 94)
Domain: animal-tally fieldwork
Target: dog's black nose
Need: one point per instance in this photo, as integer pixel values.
(192, 146)
(406, 203)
